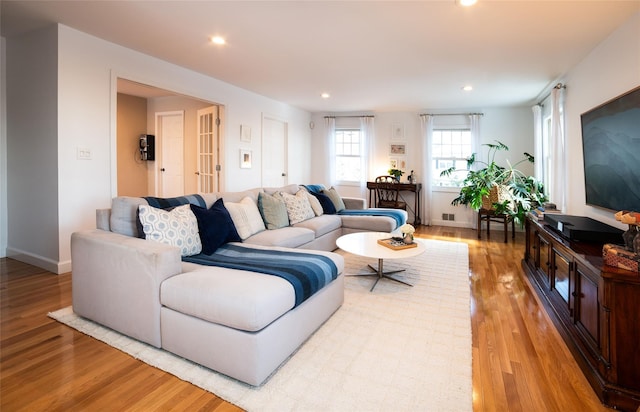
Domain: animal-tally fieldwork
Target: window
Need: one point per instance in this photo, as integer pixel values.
(451, 148)
(348, 155)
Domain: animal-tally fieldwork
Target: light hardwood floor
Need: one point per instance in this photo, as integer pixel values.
(520, 362)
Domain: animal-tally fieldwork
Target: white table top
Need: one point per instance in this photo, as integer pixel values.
(366, 244)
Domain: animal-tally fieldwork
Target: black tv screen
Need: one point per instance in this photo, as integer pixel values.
(611, 150)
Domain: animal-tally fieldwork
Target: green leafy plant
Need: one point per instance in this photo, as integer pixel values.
(397, 173)
(518, 193)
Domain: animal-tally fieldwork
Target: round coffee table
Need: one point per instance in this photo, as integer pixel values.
(366, 244)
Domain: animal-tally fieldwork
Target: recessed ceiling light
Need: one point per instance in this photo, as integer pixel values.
(325, 95)
(467, 88)
(218, 40)
(467, 3)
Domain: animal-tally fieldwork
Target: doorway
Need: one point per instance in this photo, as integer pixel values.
(147, 179)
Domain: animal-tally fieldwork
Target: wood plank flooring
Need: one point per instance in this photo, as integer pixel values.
(520, 362)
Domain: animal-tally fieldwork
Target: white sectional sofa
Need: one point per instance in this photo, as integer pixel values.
(238, 322)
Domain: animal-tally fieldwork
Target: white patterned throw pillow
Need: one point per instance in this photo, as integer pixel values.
(246, 217)
(177, 227)
(298, 207)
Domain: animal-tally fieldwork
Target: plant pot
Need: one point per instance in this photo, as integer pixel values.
(497, 194)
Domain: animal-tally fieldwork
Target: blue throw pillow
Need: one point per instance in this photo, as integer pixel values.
(215, 226)
(327, 204)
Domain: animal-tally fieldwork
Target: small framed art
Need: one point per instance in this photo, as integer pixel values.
(397, 131)
(245, 134)
(245, 159)
(397, 149)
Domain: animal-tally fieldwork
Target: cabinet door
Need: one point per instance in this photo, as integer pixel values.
(542, 259)
(587, 309)
(530, 243)
(560, 275)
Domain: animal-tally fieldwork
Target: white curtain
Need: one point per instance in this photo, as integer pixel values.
(330, 130)
(537, 142)
(426, 122)
(476, 145)
(558, 152)
(474, 125)
(366, 151)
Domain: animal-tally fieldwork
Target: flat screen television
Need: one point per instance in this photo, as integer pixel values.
(611, 150)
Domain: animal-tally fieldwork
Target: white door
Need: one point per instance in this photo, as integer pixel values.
(170, 165)
(274, 152)
(208, 150)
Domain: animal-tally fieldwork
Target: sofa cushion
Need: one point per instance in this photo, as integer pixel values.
(215, 226)
(177, 227)
(315, 204)
(273, 211)
(321, 225)
(286, 237)
(235, 298)
(246, 217)
(292, 189)
(298, 207)
(368, 223)
(335, 198)
(328, 207)
(123, 215)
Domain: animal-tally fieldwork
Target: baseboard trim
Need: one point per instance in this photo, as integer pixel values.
(51, 265)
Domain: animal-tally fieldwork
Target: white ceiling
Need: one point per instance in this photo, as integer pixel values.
(369, 55)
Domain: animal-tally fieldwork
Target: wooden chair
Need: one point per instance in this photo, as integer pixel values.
(388, 192)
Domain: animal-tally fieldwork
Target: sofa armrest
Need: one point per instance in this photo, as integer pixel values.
(354, 203)
(116, 281)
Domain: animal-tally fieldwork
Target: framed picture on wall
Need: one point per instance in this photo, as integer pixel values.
(393, 163)
(397, 149)
(245, 159)
(397, 131)
(245, 134)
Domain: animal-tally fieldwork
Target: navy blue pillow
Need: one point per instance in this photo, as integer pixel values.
(215, 226)
(327, 205)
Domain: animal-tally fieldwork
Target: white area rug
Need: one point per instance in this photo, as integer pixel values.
(397, 348)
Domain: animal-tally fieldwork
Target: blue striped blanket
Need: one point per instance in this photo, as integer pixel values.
(307, 273)
(163, 203)
(398, 215)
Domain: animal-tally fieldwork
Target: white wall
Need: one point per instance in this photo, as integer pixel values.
(511, 126)
(32, 149)
(83, 107)
(610, 70)
(3, 149)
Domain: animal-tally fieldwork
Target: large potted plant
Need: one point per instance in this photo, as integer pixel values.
(505, 190)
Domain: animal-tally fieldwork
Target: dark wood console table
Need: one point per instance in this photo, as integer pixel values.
(595, 308)
(404, 187)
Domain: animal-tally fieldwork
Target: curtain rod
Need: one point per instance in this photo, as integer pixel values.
(333, 117)
(450, 114)
(557, 86)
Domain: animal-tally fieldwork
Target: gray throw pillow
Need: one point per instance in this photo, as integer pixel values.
(335, 198)
(273, 211)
